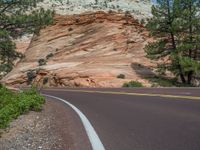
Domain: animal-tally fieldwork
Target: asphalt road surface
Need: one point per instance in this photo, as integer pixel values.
(147, 119)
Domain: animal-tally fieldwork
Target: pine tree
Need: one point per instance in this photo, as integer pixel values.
(175, 25)
(18, 17)
(189, 44)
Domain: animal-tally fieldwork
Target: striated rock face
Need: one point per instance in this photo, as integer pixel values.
(87, 50)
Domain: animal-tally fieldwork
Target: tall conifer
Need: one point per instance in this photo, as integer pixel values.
(18, 17)
(176, 27)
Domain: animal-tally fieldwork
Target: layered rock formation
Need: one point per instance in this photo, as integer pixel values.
(87, 50)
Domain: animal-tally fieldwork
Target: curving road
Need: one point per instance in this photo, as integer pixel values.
(140, 119)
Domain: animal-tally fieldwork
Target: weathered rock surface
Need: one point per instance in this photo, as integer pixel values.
(87, 50)
(139, 8)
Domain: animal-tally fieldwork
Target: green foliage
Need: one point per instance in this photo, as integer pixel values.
(121, 76)
(7, 51)
(133, 84)
(159, 81)
(49, 56)
(161, 69)
(176, 26)
(1, 86)
(156, 50)
(42, 62)
(189, 65)
(4, 68)
(30, 76)
(45, 80)
(142, 21)
(17, 18)
(14, 104)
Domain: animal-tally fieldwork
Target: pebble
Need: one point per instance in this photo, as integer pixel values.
(22, 135)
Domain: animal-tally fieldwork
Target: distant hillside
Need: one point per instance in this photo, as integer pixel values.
(139, 8)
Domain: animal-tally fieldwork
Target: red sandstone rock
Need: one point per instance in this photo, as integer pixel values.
(89, 50)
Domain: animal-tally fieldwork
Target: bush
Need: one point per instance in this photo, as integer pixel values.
(14, 104)
(1, 86)
(45, 80)
(5, 68)
(159, 81)
(49, 56)
(70, 29)
(142, 21)
(42, 62)
(133, 84)
(121, 76)
(30, 76)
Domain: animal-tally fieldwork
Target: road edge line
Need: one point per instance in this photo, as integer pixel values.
(91, 133)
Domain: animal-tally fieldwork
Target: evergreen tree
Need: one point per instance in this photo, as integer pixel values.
(18, 17)
(189, 43)
(176, 26)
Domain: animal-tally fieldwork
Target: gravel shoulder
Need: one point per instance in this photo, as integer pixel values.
(56, 127)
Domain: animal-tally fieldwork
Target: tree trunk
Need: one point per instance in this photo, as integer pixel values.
(181, 74)
(173, 42)
(190, 74)
(190, 29)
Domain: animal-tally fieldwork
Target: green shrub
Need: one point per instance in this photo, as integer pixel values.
(5, 68)
(70, 29)
(121, 76)
(133, 84)
(42, 62)
(49, 56)
(14, 104)
(45, 80)
(30, 76)
(142, 21)
(163, 82)
(1, 86)
(166, 82)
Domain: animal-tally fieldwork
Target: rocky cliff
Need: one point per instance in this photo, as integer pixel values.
(139, 8)
(86, 50)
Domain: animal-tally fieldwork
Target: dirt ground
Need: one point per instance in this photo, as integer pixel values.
(50, 129)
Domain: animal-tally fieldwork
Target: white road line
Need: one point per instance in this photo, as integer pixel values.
(91, 133)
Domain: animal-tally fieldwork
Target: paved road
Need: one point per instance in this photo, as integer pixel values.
(140, 122)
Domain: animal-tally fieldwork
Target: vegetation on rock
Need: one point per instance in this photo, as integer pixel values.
(42, 62)
(121, 76)
(30, 76)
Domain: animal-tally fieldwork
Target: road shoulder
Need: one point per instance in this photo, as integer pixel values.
(55, 127)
